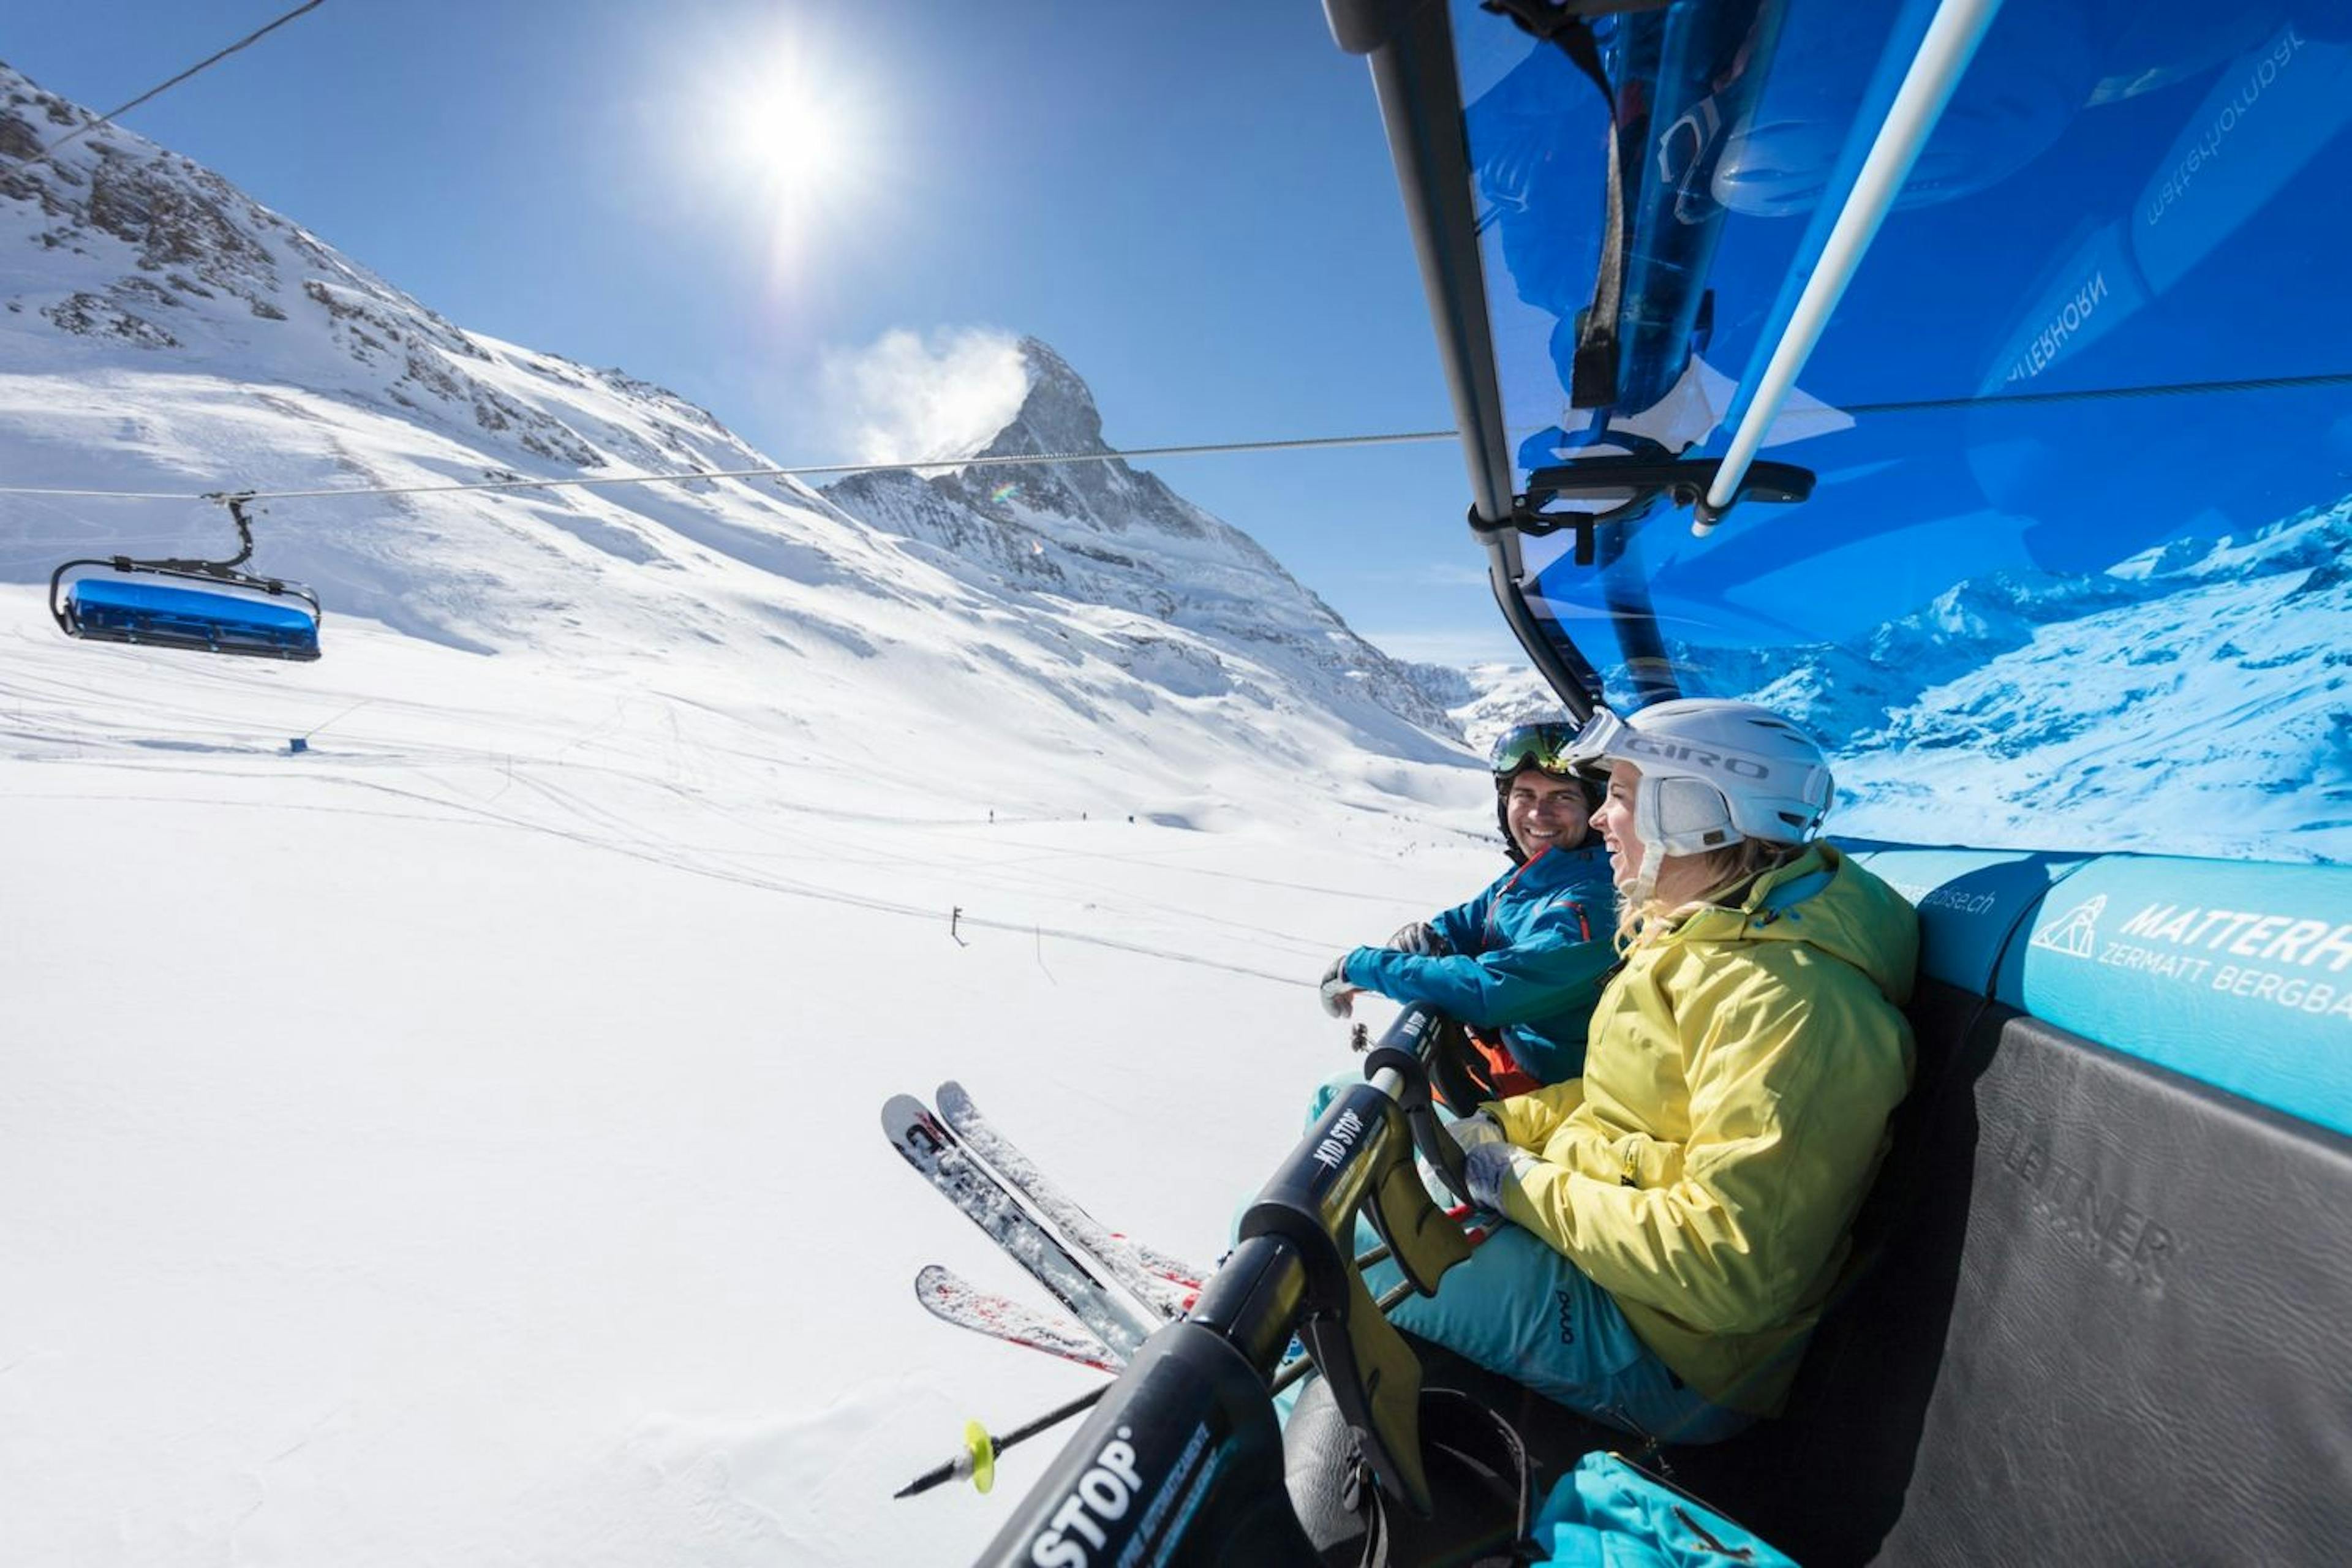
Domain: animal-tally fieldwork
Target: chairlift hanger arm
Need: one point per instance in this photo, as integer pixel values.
(1411, 52)
(1561, 663)
(1643, 483)
(1410, 49)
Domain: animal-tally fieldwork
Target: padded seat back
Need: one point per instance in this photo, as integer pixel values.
(2101, 1308)
(2148, 1352)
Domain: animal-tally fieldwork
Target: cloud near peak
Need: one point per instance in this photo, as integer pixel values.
(910, 395)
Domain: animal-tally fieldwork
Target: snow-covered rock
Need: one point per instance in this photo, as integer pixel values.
(1205, 603)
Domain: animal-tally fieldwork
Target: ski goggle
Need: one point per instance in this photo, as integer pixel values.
(1555, 747)
(1588, 749)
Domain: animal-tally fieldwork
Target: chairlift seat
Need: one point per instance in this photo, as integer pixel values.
(223, 619)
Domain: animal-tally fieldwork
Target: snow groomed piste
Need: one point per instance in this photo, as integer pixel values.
(2100, 1308)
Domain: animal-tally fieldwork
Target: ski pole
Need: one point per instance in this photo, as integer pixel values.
(978, 1458)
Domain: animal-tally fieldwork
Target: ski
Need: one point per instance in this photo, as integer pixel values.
(1184, 1278)
(1144, 1273)
(952, 1299)
(1168, 1266)
(926, 1142)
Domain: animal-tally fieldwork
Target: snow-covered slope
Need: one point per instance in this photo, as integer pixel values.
(2195, 697)
(161, 332)
(456, 1142)
(453, 1142)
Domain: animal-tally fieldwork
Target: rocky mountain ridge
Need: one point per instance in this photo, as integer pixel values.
(1105, 534)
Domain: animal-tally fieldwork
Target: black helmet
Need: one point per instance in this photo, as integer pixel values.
(1544, 746)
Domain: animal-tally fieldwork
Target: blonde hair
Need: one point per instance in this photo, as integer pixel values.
(1729, 870)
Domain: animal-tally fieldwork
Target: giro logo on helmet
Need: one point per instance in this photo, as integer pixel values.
(1745, 767)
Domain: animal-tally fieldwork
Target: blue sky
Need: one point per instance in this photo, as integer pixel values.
(1192, 203)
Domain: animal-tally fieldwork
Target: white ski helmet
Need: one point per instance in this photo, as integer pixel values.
(1713, 772)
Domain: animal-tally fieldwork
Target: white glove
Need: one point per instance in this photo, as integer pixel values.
(1338, 996)
(1419, 939)
(1490, 1168)
(1439, 1193)
(1470, 1131)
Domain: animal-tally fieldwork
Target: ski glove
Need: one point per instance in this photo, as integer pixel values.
(1470, 1131)
(1420, 939)
(1338, 996)
(1490, 1168)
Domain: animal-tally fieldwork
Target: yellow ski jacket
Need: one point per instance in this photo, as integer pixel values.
(1705, 1169)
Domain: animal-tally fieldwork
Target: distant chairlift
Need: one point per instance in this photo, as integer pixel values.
(208, 605)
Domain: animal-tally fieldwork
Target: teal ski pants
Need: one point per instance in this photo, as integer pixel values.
(1519, 1308)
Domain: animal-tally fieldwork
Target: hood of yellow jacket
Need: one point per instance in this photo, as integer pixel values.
(1829, 903)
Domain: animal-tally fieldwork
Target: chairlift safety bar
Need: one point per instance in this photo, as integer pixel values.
(1949, 43)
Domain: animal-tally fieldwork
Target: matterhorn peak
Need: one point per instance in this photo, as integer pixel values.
(1056, 415)
(1102, 533)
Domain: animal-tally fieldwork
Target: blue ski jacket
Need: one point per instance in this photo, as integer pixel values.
(1527, 956)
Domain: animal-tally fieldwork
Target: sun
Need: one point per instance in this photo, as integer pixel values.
(789, 143)
(792, 133)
